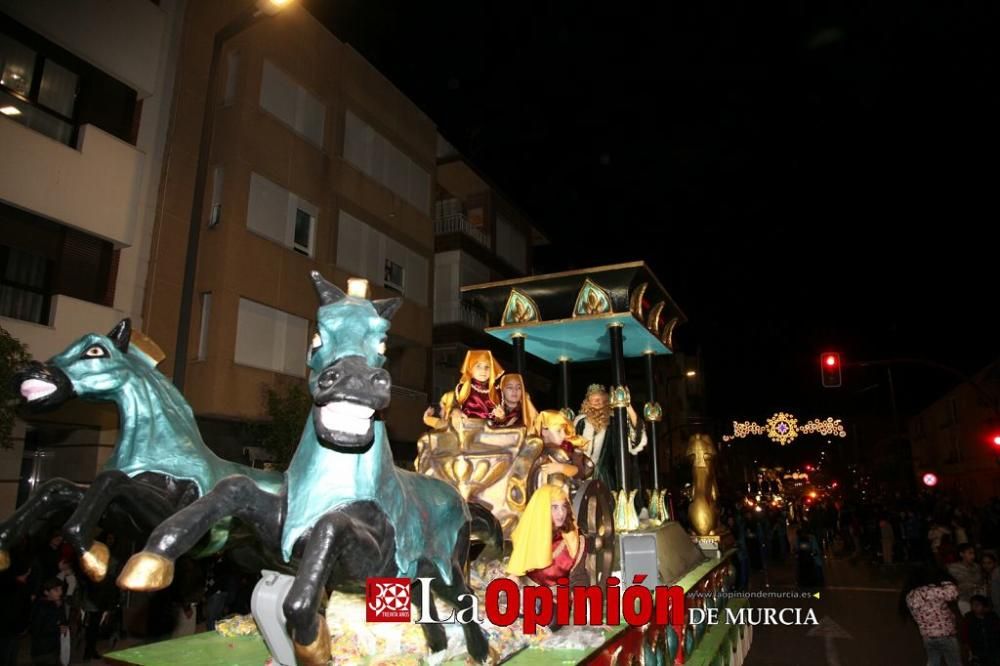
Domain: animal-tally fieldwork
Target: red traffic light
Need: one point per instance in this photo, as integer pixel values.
(996, 441)
(930, 479)
(829, 366)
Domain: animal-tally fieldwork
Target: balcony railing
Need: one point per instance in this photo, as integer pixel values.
(412, 394)
(452, 223)
(460, 313)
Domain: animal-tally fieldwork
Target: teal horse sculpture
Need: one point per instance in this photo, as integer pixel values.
(345, 509)
(159, 464)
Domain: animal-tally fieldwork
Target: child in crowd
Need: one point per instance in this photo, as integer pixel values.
(981, 632)
(48, 624)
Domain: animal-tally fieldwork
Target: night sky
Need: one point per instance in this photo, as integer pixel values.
(800, 176)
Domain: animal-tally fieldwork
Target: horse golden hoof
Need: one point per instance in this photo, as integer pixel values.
(146, 572)
(95, 562)
(316, 653)
(4, 560)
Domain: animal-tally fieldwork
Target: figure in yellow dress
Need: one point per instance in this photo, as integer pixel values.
(547, 543)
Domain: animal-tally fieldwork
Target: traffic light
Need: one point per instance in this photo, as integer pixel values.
(829, 367)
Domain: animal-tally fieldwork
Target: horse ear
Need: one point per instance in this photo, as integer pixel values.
(121, 333)
(387, 307)
(328, 292)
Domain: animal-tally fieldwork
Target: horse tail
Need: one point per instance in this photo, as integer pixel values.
(485, 529)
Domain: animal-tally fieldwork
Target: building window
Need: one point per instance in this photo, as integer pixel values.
(206, 313)
(376, 157)
(18, 66)
(31, 248)
(23, 286)
(305, 223)
(58, 89)
(282, 216)
(36, 92)
(393, 275)
(215, 212)
(270, 339)
(53, 92)
(232, 77)
(366, 252)
(292, 104)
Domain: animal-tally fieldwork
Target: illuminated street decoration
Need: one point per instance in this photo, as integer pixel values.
(784, 428)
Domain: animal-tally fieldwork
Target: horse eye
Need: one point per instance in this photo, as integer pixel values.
(96, 351)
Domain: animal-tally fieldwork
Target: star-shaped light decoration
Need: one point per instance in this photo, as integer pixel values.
(782, 428)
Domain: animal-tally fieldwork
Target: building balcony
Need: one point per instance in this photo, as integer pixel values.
(69, 318)
(92, 30)
(458, 223)
(459, 313)
(408, 393)
(93, 187)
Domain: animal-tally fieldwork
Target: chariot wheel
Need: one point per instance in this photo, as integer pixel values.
(594, 513)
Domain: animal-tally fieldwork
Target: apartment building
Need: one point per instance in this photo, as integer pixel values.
(85, 90)
(317, 162)
(480, 236)
(953, 438)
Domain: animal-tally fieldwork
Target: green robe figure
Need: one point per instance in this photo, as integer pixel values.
(596, 424)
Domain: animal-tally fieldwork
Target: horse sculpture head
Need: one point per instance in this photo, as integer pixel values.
(94, 367)
(701, 451)
(346, 378)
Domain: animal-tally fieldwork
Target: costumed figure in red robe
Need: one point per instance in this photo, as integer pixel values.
(547, 543)
(515, 409)
(476, 394)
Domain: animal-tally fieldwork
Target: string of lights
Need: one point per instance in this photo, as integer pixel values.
(784, 428)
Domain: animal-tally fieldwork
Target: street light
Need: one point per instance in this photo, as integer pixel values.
(691, 373)
(248, 17)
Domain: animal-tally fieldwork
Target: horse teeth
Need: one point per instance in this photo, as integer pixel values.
(349, 409)
(346, 417)
(34, 389)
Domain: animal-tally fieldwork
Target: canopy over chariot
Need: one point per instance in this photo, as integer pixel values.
(610, 314)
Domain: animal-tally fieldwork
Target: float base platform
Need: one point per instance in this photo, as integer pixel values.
(722, 644)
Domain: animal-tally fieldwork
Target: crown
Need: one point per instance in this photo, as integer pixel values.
(595, 388)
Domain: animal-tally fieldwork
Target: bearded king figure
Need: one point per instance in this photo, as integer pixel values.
(596, 424)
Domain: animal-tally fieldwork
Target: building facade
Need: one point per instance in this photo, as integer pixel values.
(317, 162)
(480, 236)
(85, 92)
(953, 438)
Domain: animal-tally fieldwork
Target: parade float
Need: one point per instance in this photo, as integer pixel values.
(343, 514)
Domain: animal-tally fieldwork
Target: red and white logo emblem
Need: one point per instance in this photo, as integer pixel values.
(388, 600)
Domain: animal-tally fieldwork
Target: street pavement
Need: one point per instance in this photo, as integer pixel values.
(858, 614)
